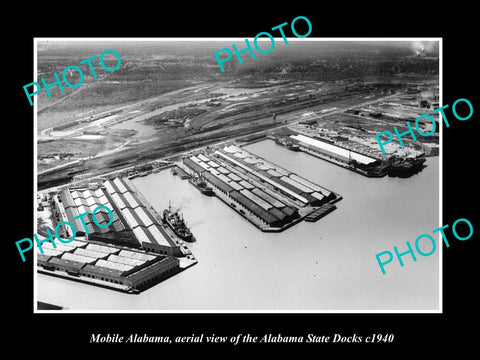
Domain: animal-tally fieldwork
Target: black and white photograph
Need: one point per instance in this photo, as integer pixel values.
(259, 188)
(219, 179)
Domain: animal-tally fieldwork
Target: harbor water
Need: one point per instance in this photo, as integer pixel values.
(322, 266)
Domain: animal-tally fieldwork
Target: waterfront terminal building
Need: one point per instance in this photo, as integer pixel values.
(122, 268)
(269, 196)
(135, 222)
(133, 252)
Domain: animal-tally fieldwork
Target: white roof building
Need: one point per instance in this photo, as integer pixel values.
(333, 149)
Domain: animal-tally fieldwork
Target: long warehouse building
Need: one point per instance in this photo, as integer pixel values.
(272, 194)
(133, 222)
(331, 151)
(132, 269)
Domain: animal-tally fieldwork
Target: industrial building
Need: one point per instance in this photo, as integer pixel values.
(73, 202)
(123, 268)
(332, 151)
(134, 222)
(346, 157)
(251, 184)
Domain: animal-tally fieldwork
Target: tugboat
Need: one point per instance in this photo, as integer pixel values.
(201, 185)
(175, 221)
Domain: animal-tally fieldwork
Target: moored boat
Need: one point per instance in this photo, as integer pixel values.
(175, 221)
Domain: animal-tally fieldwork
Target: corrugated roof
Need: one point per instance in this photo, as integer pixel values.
(78, 258)
(131, 218)
(235, 185)
(204, 165)
(194, 166)
(80, 201)
(278, 185)
(86, 202)
(290, 187)
(218, 183)
(143, 235)
(234, 177)
(333, 149)
(125, 260)
(253, 207)
(277, 213)
(114, 265)
(195, 159)
(59, 246)
(131, 200)
(289, 210)
(93, 201)
(246, 184)
(117, 225)
(305, 182)
(223, 170)
(67, 199)
(72, 212)
(102, 216)
(310, 198)
(76, 243)
(89, 253)
(85, 193)
(102, 249)
(126, 183)
(136, 255)
(98, 193)
(50, 252)
(243, 176)
(214, 171)
(118, 199)
(299, 186)
(224, 178)
(256, 199)
(146, 219)
(213, 164)
(120, 185)
(109, 186)
(274, 173)
(159, 235)
(83, 209)
(270, 199)
(203, 157)
(89, 199)
(317, 195)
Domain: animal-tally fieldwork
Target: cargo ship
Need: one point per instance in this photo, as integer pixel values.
(293, 147)
(175, 221)
(201, 185)
(285, 141)
(404, 168)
